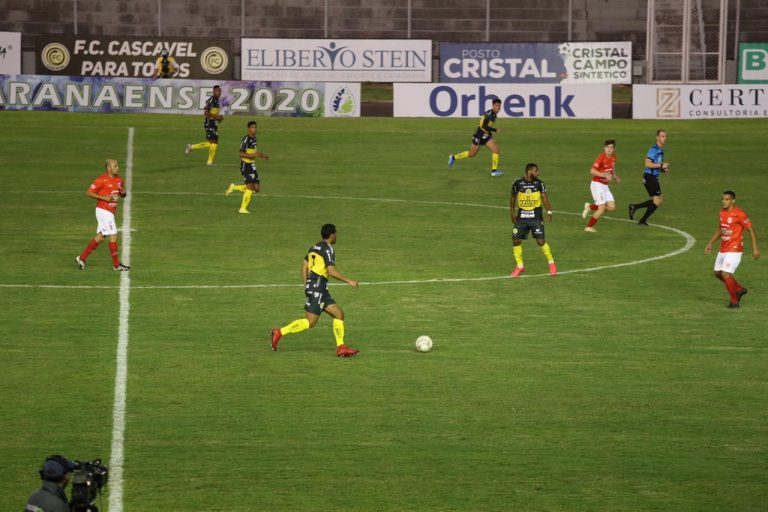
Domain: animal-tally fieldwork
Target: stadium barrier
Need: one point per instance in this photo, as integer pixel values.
(699, 101)
(567, 63)
(358, 60)
(135, 95)
(585, 101)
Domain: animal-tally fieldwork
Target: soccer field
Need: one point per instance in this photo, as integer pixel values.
(622, 384)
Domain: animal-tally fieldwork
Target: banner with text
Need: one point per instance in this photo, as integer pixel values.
(359, 60)
(10, 53)
(568, 63)
(699, 101)
(102, 94)
(753, 63)
(132, 56)
(591, 101)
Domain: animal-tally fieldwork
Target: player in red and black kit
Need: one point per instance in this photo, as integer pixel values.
(483, 136)
(733, 222)
(106, 190)
(603, 171)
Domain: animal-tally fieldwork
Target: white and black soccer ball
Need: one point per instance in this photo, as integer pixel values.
(424, 343)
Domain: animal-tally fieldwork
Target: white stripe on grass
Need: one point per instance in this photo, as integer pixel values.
(117, 458)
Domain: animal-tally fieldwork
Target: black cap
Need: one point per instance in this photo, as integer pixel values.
(55, 467)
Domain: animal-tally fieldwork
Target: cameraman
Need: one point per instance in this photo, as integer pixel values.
(50, 497)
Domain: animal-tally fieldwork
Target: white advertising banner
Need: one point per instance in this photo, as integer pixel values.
(699, 101)
(597, 63)
(584, 101)
(358, 60)
(10, 53)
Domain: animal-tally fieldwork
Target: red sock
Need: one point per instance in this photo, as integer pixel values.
(92, 245)
(733, 288)
(593, 207)
(592, 222)
(113, 253)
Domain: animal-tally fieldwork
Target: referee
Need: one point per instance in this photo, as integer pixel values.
(654, 166)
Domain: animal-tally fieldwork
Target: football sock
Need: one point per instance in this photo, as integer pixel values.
(92, 245)
(733, 288)
(113, 253)
(592, 221)
(547, 253)
(212, 152)
(651, 208)
(593, 207)
(517, 250)
(338, 331)
(246, 199)
(462, 155)
(201, 145)
(240, 188)
(296, 326)
(645, 204)
(494, 161)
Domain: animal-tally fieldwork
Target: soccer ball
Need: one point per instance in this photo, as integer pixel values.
(423, 343)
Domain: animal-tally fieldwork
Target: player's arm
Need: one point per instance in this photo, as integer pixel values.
(93, 195)
(715, 238)
(512, 207)
(304, 271)
(755, 250)
(336, 275)
(175, 68)
(594, 172)
(259, 154)
(650, 164)
(486, 126)
(158, 67)
(547, 205)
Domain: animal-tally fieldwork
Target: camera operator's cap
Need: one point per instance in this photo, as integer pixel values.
(56, 466)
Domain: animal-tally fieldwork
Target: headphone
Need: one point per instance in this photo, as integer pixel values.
(49, 475)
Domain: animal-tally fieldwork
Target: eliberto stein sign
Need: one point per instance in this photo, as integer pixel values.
(132, 56)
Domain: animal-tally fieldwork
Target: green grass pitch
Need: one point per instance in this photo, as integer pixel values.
(629, 388)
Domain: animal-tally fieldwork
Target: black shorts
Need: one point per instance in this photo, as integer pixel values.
(480, 138)
(249, 172)
(212, 133)
(652, 185)
(317, 301)
(523, 227)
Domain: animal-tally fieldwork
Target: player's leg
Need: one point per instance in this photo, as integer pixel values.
(727, 263)
(335, 311)
(601, 196)
(251, 179)
(473, 149)
(200, 145)
(653, 187)
(213, 139)
(92, 245)
(244, 171)
(519, 233)
(538, 234)
(491, 145)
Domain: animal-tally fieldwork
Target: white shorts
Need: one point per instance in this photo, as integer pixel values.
(106, 222)
(601, 194)
(727, 261)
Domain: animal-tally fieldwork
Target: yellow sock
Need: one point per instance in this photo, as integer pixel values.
(338, 331)
(295, 326)
(462, 155)
(246, 199)
(240, 188)
(547, 253)
(494, 161)
(212, 152)
(201, 145)
(517, 250)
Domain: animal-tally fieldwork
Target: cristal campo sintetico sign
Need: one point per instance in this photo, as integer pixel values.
(375, 60)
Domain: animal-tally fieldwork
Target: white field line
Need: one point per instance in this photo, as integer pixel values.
(117, 458)
(689, 243)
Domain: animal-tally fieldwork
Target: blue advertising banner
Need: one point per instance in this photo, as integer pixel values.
(135, 95)
(541, 63)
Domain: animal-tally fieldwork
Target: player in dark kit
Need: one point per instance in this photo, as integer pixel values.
(320, 264)
(211, 121)
(528, 194)
(654, 166)
(248, 156)
(483, 137)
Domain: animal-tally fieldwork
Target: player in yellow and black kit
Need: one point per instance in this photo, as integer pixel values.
(528, 194)
(484, 137)
(165, 65)
(211, 125)
(319, 264)
(248, 156)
